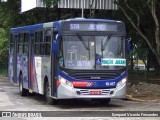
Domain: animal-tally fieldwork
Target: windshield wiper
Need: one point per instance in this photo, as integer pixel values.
(81, 39)
(103, 47)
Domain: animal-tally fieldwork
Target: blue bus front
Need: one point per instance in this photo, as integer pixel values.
(92, 60)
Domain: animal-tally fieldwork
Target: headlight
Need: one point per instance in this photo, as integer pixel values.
(62, 80)
(65, 82)
(122, 82)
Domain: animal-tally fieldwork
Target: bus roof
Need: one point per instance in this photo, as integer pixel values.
(92, 20)
(26, 28)
(32, 28)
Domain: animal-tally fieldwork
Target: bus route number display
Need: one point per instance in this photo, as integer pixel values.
(92, 27)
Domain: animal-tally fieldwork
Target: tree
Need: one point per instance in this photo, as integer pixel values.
(3, 45)
(50, 3)
(11, 17)
(143, 16)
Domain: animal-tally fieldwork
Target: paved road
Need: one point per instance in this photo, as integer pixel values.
(10, 100)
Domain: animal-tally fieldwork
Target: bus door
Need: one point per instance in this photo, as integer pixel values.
(30, 61)
(54, 66)
(12, 70)
(15, 61)
(23, 57)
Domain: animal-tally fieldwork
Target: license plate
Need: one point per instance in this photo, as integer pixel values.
(95, 92)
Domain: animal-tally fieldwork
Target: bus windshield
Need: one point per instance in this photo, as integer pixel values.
(92, 52)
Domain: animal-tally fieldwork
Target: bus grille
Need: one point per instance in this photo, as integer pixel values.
(103, 92)
(95, 74)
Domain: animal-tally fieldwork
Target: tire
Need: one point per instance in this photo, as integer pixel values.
(23, 92)
(48, 99)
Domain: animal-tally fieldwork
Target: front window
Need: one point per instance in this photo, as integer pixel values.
(91, 52)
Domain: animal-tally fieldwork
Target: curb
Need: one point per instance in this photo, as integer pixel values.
(129, 97)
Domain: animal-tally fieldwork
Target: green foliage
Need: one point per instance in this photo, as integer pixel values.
(3, 45)
(50, 3)
(66, 16)
(145, 23)
(11, 17)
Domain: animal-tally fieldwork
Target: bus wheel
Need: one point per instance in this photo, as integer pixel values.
(23, 92)
(48, 99)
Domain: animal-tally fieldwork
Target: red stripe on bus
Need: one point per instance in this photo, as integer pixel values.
(80, 84)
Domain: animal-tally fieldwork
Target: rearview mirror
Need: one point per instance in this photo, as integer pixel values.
(128, 45)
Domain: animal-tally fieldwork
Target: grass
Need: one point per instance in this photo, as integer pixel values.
(3, 69)
(3, 73)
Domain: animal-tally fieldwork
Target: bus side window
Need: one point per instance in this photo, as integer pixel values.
(20, 43)
(48, 36)
(20, 48)
(37, 49)
(39, 37)
(42, 48)
(25, 43)
(11, 49)
(38, 46)
(47, 42)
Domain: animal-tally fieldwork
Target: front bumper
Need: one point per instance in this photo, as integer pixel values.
(66, 92)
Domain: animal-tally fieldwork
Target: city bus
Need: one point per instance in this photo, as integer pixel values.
(70, 59)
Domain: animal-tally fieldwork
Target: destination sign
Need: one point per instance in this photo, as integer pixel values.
(93, 26)
(113, 62)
